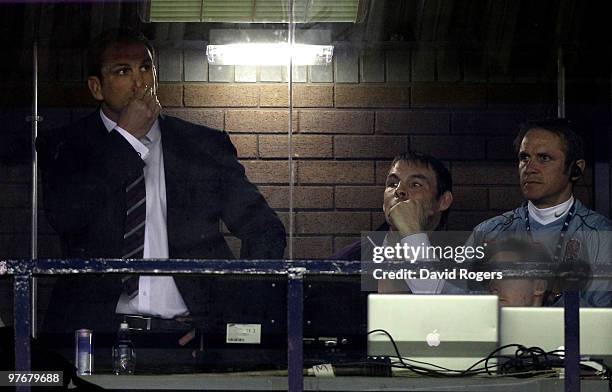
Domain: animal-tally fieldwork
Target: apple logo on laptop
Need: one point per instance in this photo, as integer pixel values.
(433, 338)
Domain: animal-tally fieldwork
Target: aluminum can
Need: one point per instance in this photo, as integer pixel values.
(83, 351)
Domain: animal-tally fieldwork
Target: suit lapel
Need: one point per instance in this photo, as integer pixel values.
(97, 133)
(172, 172)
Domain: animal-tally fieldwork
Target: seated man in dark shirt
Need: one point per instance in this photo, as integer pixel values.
(417, 197)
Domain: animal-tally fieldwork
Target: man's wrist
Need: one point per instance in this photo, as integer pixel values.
(409, 230)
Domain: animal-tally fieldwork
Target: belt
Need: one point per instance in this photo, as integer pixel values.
(156, 324)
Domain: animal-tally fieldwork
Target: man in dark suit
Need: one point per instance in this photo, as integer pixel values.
(189, 174)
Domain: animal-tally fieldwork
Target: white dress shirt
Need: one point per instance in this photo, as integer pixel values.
(419, 286)
(157, 295)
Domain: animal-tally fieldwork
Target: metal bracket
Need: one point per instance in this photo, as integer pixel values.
(34, 118)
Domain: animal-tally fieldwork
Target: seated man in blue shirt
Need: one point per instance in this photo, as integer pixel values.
(550, 161)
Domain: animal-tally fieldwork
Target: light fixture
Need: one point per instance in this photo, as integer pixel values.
(269, 54)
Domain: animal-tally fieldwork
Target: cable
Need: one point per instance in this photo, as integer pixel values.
(524, 362)
(443, 372)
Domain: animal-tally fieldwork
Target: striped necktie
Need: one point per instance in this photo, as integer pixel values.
(135, 215)
(134, 229)
(135, 219)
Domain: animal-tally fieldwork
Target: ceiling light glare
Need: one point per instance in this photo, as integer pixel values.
(269, 54)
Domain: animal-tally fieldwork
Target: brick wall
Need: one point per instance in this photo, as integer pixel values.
(349, 119)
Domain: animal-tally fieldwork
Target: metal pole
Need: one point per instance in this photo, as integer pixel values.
(560, 84)
(291, 39)
(571, 299)
(34, 201)
(295, 331)
(571, 296)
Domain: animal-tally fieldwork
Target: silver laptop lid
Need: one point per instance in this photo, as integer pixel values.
(448, 330)
(543, 327)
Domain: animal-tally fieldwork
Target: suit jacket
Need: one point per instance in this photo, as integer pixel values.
(85, 170)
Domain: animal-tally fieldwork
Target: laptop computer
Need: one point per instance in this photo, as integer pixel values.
(451, 331)
(544, 328)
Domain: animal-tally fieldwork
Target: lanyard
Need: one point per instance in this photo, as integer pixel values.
(564, 228)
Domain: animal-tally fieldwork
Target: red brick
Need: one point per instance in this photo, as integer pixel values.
(359, 196)
(170, 95)
(382, 170)
(488, 123)
(267, 172)
(448, 95)
(246, 145)
(336, 121)
(283, 216)
(341, 242)
(450, 147)
(485, 174)
(221, 95)
(332, 222)
(466, 221)
(276, 121)
(505, 198)
(332, 172)
(500, 148)
(206, 117)
(470, 198)
(305, 248)
(369, 146)
(521, 94)
(277, 95)
(303, 196)
(304, 146)
(307, 96)
(377, 96)
(412, 122)
(378, 218)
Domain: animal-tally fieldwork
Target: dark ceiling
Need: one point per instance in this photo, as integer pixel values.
(532, 30)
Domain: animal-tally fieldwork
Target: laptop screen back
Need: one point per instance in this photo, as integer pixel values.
(543, 327)
(452, 331)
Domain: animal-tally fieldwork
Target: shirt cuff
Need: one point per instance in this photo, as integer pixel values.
(421, 286)
(140, 148)
(414, 240)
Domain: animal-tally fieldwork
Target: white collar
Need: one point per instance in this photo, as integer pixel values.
(545, 216)
(153, 135)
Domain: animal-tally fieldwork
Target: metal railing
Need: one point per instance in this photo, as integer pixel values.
(23, 271)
